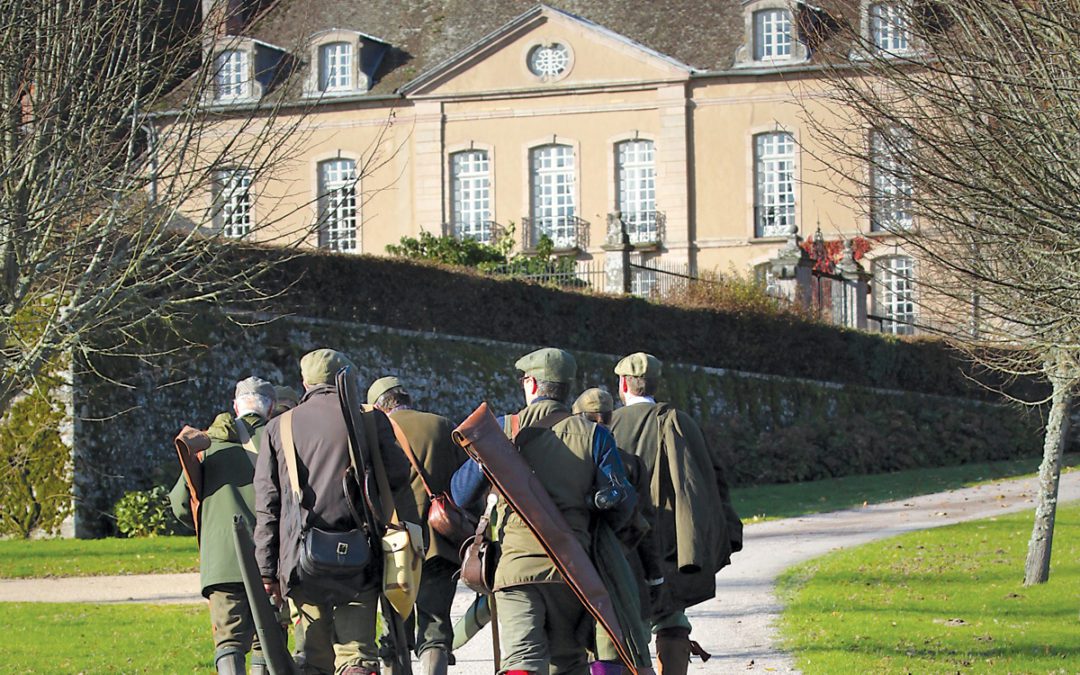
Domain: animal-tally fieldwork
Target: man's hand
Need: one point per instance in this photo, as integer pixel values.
(273, 589)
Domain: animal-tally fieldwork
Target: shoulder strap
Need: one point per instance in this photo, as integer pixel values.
(246, 440)
(386, 497)
(289, 446)
(403, 441)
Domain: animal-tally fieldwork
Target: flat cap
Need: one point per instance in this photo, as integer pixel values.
(322, 365)
(380, 387)
(639, 364)
(285, 394)
(254, 386)
(594, 400)
(548, 364)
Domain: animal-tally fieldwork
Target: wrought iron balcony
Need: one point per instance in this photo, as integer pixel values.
(567, 233)
(483, 231)
(773, 221)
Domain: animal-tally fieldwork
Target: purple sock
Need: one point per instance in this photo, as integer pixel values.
(606, 668)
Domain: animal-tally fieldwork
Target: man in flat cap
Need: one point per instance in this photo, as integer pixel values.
(436, 457)
(696, 527)
(543, 626)
(321, 444)
(228, 469)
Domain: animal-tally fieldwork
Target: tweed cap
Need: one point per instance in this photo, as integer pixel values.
(594, 400)
(380, 387)
(639, 364)
(254, 386)
(322, 365)
(283, 394)
(548, 364)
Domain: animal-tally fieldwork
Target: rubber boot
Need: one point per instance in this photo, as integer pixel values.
(434, 661)
(230, 664)
(606, 668)
(673, 651)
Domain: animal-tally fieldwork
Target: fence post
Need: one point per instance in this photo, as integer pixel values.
(617, 271)
(793, 268)
(854, 287)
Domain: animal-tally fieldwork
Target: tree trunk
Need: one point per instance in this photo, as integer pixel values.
(1037, 566)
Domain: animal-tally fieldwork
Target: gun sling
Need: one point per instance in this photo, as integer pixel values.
(483, 439)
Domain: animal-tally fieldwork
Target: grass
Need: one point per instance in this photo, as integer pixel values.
(767, 502)
(85, 638)
(91, 557)
(947, 600)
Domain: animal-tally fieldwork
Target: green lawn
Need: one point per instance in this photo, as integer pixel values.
(89, 557)
(78, 638)
(766, 502)
(948, 600)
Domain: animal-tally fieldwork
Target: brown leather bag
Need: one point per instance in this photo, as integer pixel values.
(480, 556)
(444, 516)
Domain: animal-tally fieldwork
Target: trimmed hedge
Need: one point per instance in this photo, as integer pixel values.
(423, 297)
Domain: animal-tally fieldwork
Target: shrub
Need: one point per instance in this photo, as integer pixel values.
(144, 513)
(730, 293)
(450, 250)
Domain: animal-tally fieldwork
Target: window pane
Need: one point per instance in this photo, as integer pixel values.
(636, 175)
(891, 184)
(335, 67)
(774, 194)
(234, 203)
(889, 26)
(895, 294)
(772, 34)
(337, 205)
(231, 68)
(470, 195)
(553, 208)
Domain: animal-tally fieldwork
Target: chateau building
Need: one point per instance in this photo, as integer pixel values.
(680, 119)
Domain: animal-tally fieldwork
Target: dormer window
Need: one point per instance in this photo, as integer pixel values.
(336, 66)
(231, 77)
(889, 27)
(772, 35)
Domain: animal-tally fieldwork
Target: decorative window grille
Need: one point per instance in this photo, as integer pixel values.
(470, 195)
(890, 179)
(644, 283)
(889, 27)
(337, 206)
(549, 61)
(772, 34)
(774, 194)
(335, 67)
(894, 278)
(231, 74)
(636, 169)
(553, 210)
(234, 203)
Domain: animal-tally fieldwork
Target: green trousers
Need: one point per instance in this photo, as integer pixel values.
(337, 636)
(543, 628)
(429, 626)
(233, 626)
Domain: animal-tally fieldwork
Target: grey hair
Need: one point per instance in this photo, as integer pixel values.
(253, 403)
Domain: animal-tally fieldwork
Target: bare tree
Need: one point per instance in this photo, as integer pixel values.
(955, 124)
(111, 146)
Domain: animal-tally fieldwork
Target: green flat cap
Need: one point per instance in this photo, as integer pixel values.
(594, 400)
(254, 386)
(380, 387)
(286, 395)
(322, 365)
(548, 364)
(639, 364)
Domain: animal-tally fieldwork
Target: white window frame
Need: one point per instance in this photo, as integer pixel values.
(339, 213)
(234, 214)
(894, 294)
(635, 184)
(888, 26)
(470, 195)
(774, 34)
(890, 182)
(775, 197)
(336, 66)
(232, 75)
(552, 194)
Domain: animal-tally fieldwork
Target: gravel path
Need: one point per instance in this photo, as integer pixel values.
(737, 626)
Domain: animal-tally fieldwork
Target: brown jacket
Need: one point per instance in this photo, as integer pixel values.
(322, 450)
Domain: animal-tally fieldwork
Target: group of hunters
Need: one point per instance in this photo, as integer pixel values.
(638, 486)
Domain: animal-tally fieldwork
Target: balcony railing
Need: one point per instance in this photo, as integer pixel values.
(644, 228)
(773, 221)
(483, 231)
(567, 233)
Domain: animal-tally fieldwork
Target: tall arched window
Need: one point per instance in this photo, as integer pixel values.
(336, 66)
(773, 34)
(231, 80)
(894, 294)
(470, 195)
(890, 181)
(553, 211)
(338, 218)
(774, 184)
(889, 27)
(635, 169)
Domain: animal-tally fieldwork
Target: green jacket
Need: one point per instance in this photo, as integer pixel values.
(563, 462)
(439, 457)
(227, 490)
(696, 528)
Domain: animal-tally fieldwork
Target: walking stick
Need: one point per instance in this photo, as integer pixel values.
(495, 650)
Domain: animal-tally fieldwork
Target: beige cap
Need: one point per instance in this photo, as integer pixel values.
(322, 365)
(639, 364)
(594, 400)
(548, 364)
(283, 394)
(254, 386)
(380, 387)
